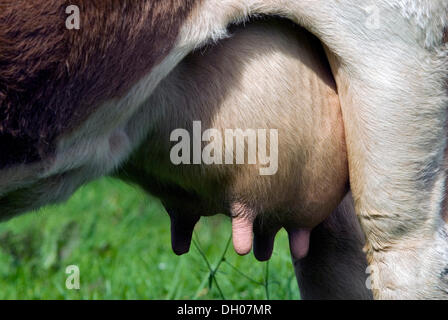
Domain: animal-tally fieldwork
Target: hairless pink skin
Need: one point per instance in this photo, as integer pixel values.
(242, 227)
(299, 242)
(243, 219)
(242, 235)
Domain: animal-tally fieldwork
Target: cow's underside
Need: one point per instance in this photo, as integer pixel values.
(71, 107)
(54, 141)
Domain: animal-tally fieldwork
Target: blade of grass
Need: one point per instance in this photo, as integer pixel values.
(212, 271)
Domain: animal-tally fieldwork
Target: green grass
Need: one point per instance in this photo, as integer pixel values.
(119, 237)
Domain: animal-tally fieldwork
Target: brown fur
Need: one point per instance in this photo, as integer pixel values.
(52, 78)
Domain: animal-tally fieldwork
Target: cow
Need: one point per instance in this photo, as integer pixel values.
(67, 95)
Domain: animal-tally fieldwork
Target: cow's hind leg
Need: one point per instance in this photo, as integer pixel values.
(394, 109)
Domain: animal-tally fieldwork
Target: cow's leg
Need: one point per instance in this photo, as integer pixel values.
(394, 120)
(394, 107)
(336, 265)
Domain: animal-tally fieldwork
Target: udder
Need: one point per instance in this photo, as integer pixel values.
(269, 77)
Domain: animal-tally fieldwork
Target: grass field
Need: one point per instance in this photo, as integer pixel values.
(119, 238)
